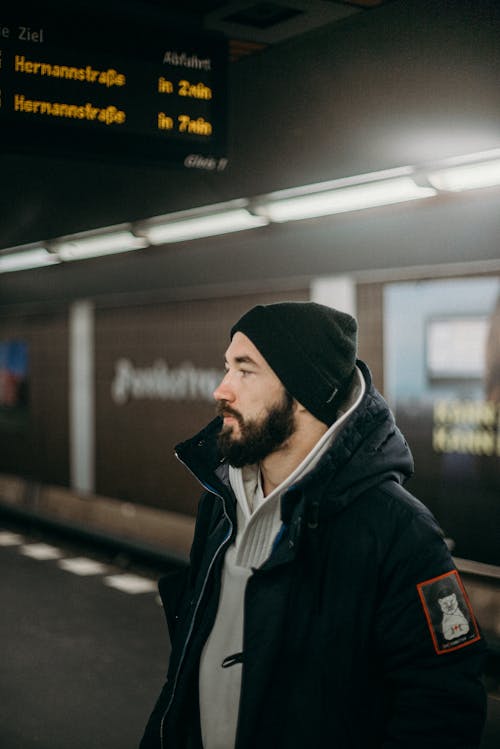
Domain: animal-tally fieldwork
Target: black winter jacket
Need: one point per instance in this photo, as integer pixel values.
(344, 642)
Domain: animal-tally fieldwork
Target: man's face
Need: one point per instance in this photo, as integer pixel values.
(257, 411)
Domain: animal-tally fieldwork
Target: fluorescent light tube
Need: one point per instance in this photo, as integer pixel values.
(466, 176)
(354, 198)
(34, 258)
(238, 219)
(98, 244)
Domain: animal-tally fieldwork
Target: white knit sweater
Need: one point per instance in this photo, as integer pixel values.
(258, 524)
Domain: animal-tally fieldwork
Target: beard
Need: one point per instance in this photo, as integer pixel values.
(257, 439)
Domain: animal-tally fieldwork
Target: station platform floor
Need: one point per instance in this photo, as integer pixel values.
(84, 645)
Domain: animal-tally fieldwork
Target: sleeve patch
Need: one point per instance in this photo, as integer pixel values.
(448, 612)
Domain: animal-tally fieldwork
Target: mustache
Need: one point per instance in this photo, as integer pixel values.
(223, 409)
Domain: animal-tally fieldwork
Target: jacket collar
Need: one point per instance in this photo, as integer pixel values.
(367, 449)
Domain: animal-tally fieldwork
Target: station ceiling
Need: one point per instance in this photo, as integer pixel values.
(251, 25)
(377, 86)
(46, 196)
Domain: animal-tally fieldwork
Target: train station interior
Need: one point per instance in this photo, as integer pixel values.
(165, 167)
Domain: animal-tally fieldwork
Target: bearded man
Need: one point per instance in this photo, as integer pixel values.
(304, 619)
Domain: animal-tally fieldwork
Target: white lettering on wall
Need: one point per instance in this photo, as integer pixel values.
(160, 382)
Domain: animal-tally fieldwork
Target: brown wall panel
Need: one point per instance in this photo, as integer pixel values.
(135, 438)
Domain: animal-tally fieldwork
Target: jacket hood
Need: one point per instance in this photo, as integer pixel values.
(368, 450)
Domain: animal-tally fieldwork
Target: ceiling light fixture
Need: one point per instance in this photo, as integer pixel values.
(342, 199)
(107, 243)
(175, 229)
(471, 176)
(355, 193)
(36, 257)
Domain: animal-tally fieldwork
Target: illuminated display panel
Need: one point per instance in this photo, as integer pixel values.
(111, 87)
(456, 347)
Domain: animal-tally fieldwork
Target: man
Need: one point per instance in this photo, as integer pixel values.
(307, 617)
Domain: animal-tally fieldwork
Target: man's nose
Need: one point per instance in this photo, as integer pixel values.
(224, 392)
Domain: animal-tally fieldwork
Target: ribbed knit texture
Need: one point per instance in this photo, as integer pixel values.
(310, 347)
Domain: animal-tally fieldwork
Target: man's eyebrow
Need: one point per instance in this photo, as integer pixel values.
(244, 360)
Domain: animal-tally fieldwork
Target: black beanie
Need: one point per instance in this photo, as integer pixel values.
(310, 347)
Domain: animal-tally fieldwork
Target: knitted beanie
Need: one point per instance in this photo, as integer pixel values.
(310, 347)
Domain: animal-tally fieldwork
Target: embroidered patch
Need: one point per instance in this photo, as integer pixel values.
(448, 612)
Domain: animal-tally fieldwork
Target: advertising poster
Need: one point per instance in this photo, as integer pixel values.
(13, 383)
(442, 381)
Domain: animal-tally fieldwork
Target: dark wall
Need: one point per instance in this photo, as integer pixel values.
(410, 82)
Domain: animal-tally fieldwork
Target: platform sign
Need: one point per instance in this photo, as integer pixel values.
(442, 378)
(75, 83)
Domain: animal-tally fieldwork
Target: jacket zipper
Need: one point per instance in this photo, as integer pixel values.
(195, 611)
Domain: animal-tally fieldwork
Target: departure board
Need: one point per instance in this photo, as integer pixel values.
(117, 87)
